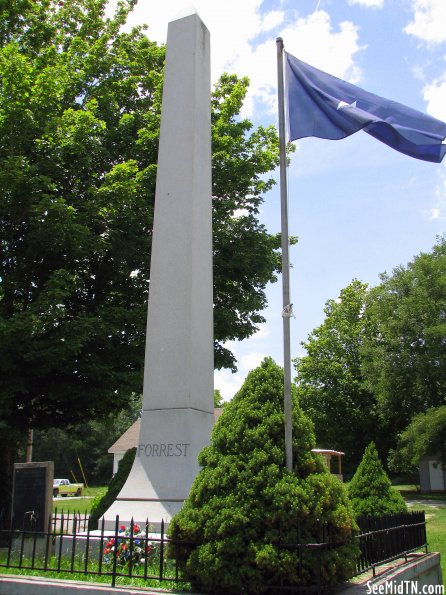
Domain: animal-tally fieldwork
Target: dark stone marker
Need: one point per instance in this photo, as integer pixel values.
(32, 496)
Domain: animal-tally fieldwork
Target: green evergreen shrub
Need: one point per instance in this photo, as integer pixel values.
(370, 489)
(244, 500)
(115, 486)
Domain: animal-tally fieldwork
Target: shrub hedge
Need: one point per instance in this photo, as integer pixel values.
(370, 489)
(115, 486)
(244, 500)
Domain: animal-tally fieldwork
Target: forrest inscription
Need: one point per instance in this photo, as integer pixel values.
(163, 449)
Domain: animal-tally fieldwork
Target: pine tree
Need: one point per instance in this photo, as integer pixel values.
(244, 500)
(370, 490)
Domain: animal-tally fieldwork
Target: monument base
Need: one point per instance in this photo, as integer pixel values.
(141, 511)
(164, 468)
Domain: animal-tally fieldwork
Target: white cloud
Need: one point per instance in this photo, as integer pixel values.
(262, 334)
(312, 39)
(251, 360)
(227, 383)
(237, 43)
(428, 25)
(429, 21)
(435, 213)
(368, 3)
(271, 20)
(229, 35)
(438, 212)
(435, 95)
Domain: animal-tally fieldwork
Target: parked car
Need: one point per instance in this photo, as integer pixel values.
(63, 487)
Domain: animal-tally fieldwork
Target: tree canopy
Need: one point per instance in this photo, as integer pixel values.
(80, 103)
(330, 380)
(425, 435)
(244, 500)
(79, 123)
(404, 358)
(378, 358)
(87, 443)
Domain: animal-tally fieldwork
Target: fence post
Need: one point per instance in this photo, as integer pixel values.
(59, 557)
(73, 543)
(87, 549)
(101, 544)
(115, 552)
(162, 550)
(132, 525)
(424, 530)
(146, 548)
(48, 537)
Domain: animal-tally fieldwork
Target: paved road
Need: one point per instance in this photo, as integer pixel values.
(63, 498)
(427, 502)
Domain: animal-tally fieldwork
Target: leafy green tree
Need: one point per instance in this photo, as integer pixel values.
(330, 380)
(87, 442)
(79, 121)
(425, 435)
(76, 181)
(404, 356)
(241, 156)
(218, 398)
(370, 489)
(244, 500)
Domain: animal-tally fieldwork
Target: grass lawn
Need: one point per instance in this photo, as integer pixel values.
(124, 581)
(435, 518)
(436, 535)
(81, 505)
(412, 492)
(436, 531)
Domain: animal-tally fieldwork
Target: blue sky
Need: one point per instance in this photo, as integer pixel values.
(358, 207)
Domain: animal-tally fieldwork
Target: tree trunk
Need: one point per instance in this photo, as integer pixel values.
(8, 450)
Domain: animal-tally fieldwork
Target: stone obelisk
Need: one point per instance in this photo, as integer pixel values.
(177, 415)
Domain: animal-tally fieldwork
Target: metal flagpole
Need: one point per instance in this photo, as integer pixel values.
(287, 306)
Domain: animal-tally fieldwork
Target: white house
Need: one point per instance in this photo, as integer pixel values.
(432, 474)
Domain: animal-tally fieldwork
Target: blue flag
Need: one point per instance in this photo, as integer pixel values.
(324, 106)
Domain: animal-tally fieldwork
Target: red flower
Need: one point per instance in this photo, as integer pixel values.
(148, 549)
(122, 527)
(135, 528)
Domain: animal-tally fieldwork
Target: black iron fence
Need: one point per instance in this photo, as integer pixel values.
(386, 538)
(67, 522)
(123, 551)
(69, 546)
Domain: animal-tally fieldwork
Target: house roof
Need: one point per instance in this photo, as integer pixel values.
(130, 437)
(128, 440)
(324, 451)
